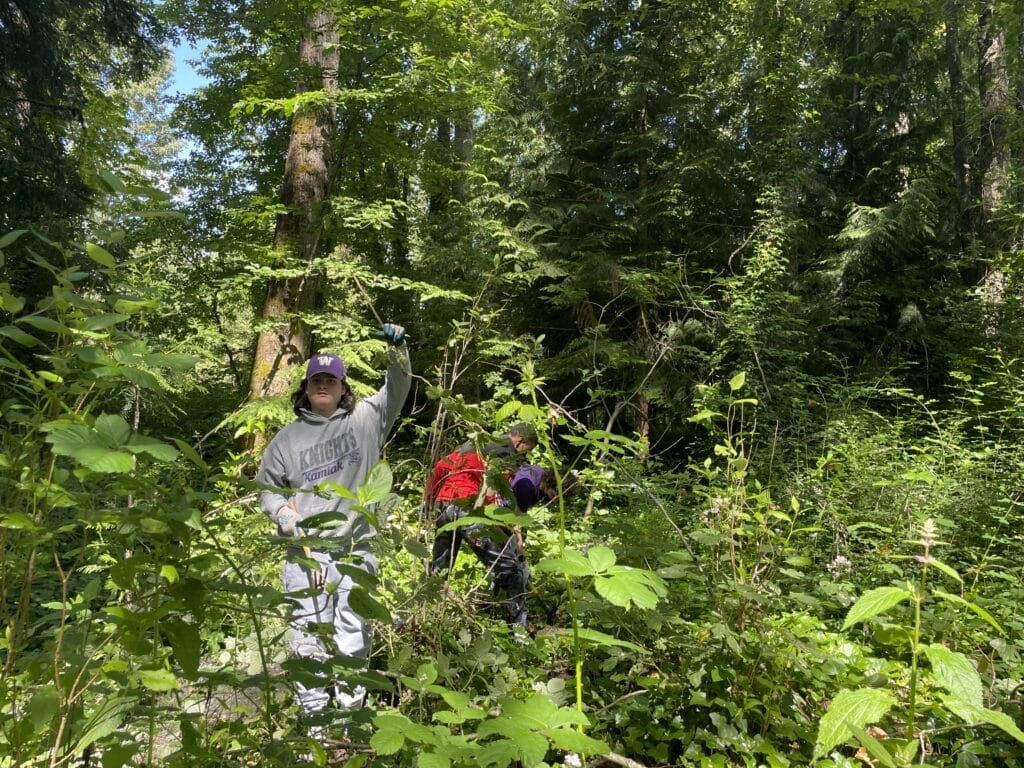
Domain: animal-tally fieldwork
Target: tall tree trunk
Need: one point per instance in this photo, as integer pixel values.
(284, 342)
(441, 194)
(993, 92)
(1018, 147)
(463, 148)
(991, 163)
(955, 72)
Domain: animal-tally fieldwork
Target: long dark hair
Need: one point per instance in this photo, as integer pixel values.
(300, 400)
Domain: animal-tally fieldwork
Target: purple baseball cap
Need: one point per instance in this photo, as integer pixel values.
(325, 363)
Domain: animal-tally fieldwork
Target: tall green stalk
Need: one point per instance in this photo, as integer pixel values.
(551, 459)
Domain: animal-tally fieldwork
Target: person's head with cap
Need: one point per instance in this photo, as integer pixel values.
(325, 388)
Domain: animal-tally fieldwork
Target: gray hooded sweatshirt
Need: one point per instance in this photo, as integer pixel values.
(341, 449)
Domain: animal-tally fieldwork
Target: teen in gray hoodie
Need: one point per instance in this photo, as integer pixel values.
(333, 440)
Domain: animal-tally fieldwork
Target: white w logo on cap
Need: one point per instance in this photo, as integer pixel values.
(324, 360)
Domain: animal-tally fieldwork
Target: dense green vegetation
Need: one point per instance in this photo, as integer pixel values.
(751, 268)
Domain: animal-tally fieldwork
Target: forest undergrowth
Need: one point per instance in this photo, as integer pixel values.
(842, 592)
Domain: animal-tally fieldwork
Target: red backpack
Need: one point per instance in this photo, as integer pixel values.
(457, 476)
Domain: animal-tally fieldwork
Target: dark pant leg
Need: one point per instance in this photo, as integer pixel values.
(446, 543)
(508, 568)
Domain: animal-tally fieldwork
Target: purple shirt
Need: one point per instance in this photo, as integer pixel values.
(526, 486)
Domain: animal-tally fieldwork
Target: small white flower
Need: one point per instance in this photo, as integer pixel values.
(572, 760)
(840, 564)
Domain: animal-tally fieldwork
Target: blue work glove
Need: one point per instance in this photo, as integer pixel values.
(288, 521)
(394, 334)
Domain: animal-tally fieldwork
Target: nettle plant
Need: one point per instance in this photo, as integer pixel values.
(745, 536)
(942, 685)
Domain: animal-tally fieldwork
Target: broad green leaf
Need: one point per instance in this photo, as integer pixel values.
(532, 748)
(139, 376)
(945, 569)
(536, 711)
(860, 707)
(908, 751)
(363, 603)
(112, 182)
(573, 564)
(43, 323)
(88, 448)
(500, 752)
(10, 237)
(572, 740)
(10, 303)
(19, 336)
(186, 644)
(432, 760)
(923, 475)
(1003, 721)
(506, 411)
(426, 673)
(324, 521)
(100, 322)
(113, 427)
(704, 415)
(153, 525)
(390, 720)
(970, 713)
(158, 679)
(377, 485)
(954, 672)
(956, 599)
(455, 699)
(17, 521)
(625, 588)
(530, 414)
(158, 449)
(337, 490)
(104, 460)
(101, 722)
(387, 741)
(100, 255)
(317, 754)
(737, 381)
(42, 707)
(602, 558)
(130, 306)
(600, 638)
(191, 453)
(450, 717)
(874, 602)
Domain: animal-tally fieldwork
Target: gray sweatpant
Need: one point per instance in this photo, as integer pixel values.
(350, 633)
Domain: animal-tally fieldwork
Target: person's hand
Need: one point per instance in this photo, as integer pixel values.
(288, 521)
(392, 333)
